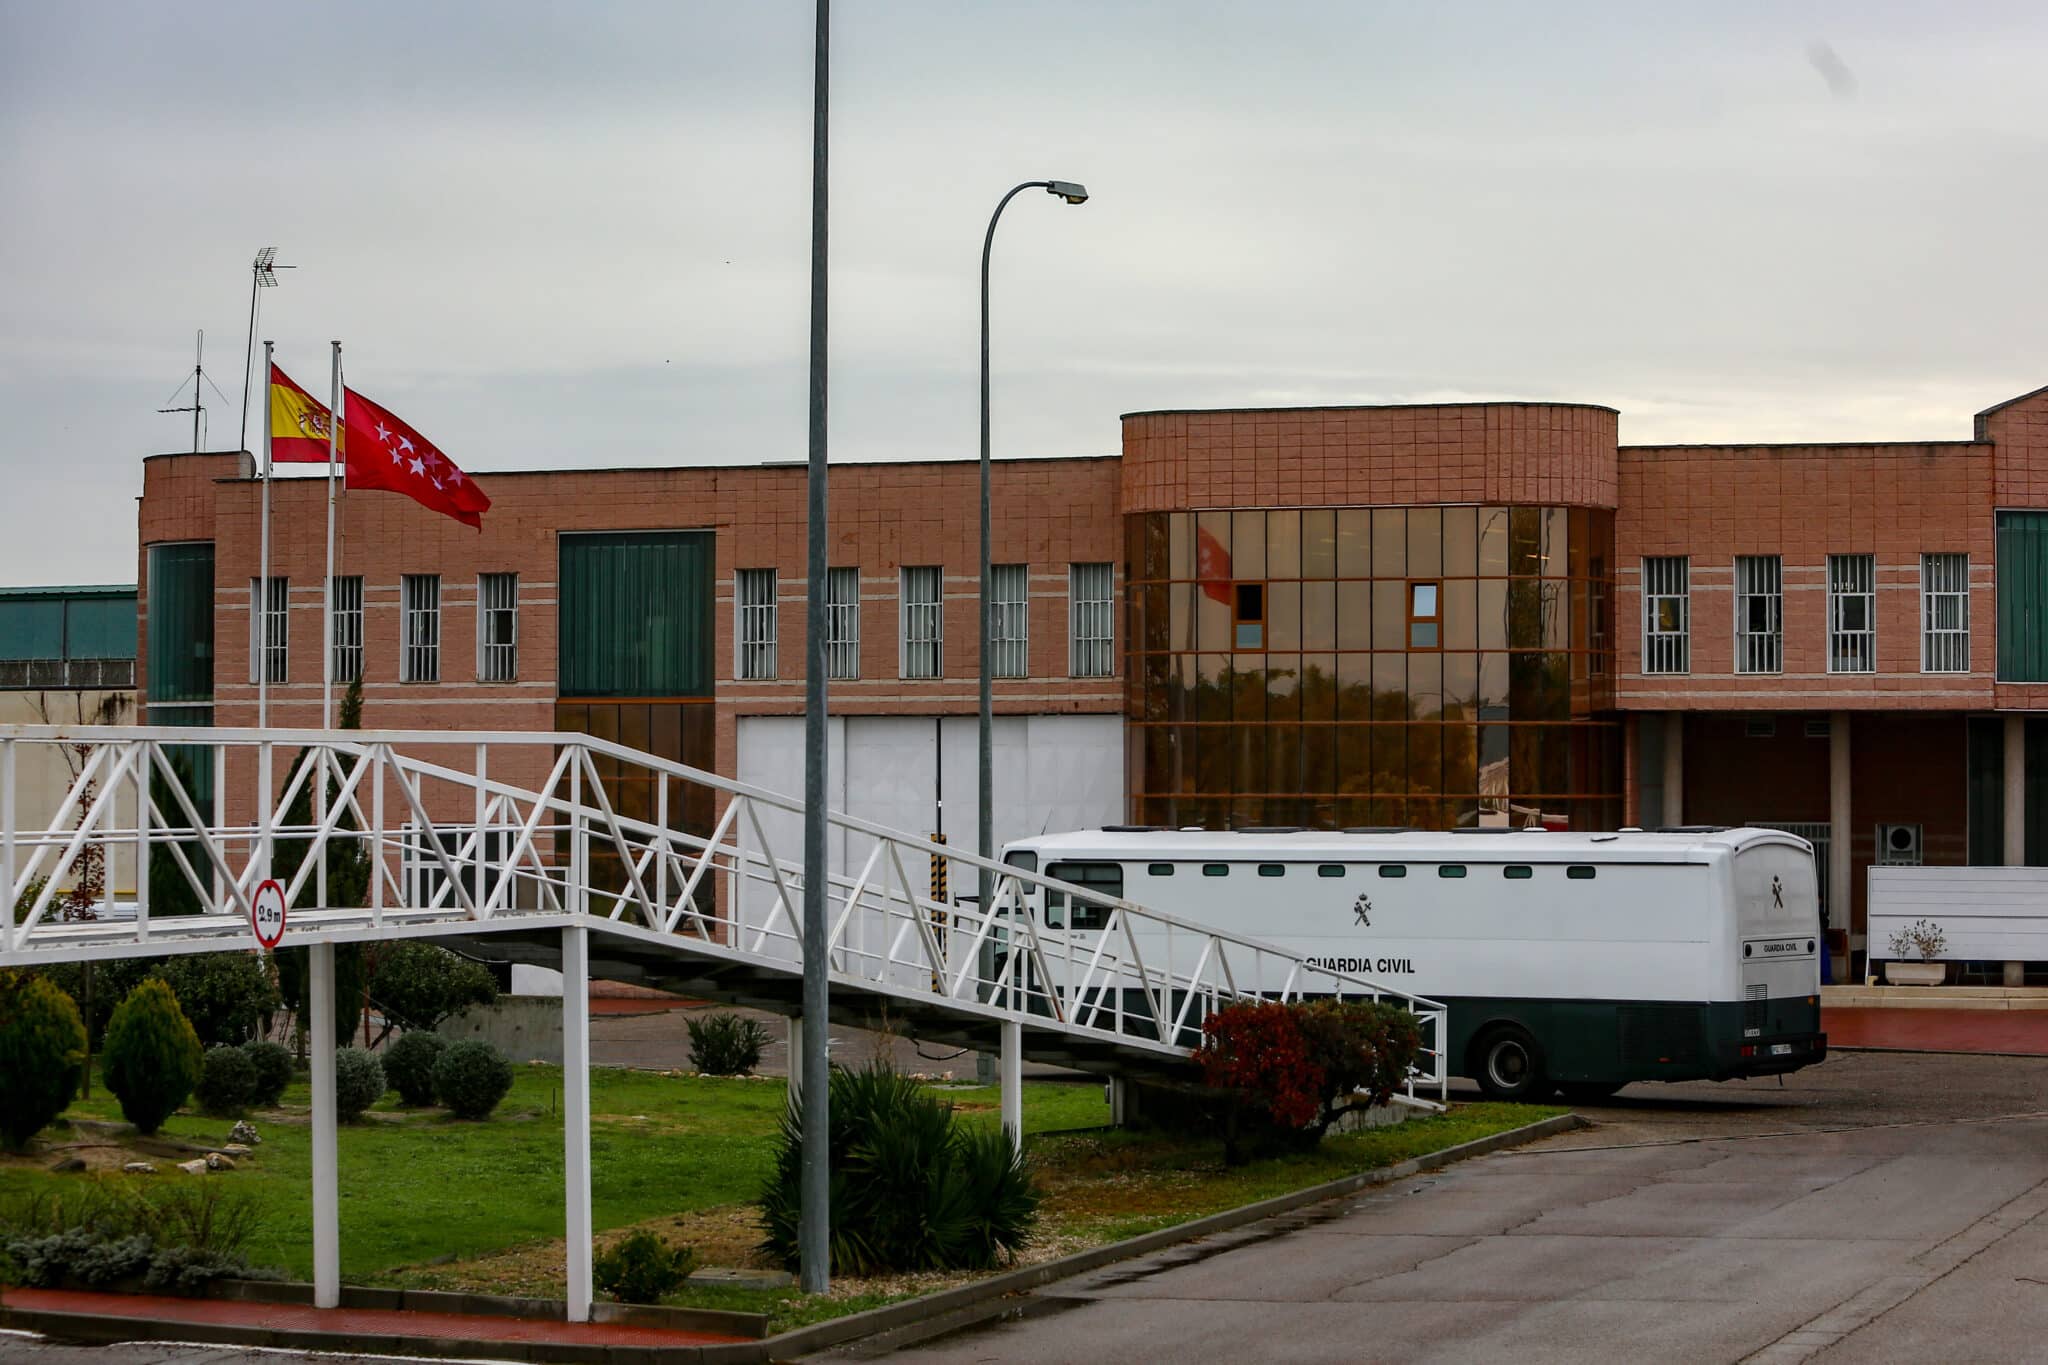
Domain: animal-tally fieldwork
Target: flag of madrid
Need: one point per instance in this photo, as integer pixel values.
(384, 452)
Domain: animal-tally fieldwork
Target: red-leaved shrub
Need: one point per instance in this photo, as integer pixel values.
(1256, 1050)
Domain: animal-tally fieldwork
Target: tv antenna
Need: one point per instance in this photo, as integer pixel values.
(262, 275)
(200, 381)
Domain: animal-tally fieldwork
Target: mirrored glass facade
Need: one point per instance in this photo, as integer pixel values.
(1431, 667)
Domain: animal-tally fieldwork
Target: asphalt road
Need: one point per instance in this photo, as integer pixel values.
(1877, 1208)
(1882, 1207)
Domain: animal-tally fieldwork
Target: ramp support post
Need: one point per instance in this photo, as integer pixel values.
(326, 1196)
(1119, 1112)
(1013, 1082)
(576, 1115)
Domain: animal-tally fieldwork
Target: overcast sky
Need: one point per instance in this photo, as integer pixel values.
(577, 234)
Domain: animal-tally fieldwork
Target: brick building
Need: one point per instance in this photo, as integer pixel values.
(1486, 614)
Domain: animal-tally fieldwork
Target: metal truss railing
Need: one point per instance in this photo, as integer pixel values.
(598, 841)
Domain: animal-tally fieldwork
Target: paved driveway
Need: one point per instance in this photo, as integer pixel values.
(1878, 1208)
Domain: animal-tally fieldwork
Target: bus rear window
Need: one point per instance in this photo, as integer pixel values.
(1518, 872)
(1393, 870)
(1272, 870)
(1579, 872)
(1330, 870)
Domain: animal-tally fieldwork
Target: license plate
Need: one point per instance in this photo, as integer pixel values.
(1781, 1049)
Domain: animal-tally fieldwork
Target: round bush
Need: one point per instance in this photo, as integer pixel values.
(358, 1082)
(471, 1077)
(152, 1056)
(409, 1065)
(42, 1043)
(273, 1066)
(227, 1082)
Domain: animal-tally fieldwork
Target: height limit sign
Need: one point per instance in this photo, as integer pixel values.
(266, 914)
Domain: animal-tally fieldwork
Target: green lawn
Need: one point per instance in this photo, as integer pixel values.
(434, 1202)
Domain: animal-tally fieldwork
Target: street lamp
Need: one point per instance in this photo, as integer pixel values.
(1073, 194)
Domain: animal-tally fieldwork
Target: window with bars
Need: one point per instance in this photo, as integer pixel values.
(842, 623)
(348, 628)
(497, 627)
(420, 603)
(1667, 625)
(1944, 613)
(754, 636)
(276, 620)
(924, 621)
(1759, 614)
(1009, 622)
(1852, 626)
(1091, 650)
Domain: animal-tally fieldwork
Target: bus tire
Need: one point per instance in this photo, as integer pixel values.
(1588, 1092)
(1510, 1065)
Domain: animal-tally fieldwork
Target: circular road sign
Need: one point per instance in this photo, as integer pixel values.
(266, 915)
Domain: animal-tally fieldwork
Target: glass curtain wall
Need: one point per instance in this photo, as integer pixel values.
(1431, 667)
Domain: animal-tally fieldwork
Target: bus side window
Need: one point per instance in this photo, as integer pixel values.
(1106, 879)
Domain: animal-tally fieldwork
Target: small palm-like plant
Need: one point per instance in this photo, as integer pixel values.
(912, 1187)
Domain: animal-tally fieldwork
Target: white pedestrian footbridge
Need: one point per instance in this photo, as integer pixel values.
(571, 851)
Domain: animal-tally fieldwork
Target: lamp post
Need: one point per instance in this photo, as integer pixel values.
(985, 842)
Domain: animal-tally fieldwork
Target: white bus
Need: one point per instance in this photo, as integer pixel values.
(1569, 962)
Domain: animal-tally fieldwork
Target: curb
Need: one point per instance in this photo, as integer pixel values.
(102, 1328)
(889, 1317)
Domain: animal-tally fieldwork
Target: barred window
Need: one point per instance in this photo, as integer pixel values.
(1945, 613)
(1092, 650)
(924, 618)
(497, 627)
(348, 628)
(1852, 626)
(1667, 624)
(420, 602)
(754, 601)
(1759, 614)
(842, 623)
(276, 620)
(1009, 623)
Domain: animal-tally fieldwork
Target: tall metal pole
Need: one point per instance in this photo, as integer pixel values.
(984, 842)
(814, 1227)
(262, 632)
(247, 356)
(327, 604)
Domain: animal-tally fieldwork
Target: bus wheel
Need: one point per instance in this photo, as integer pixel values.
(1511, 1066)
(1588, 1092)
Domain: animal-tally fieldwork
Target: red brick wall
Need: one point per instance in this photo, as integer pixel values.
(1552, 454)
(1803, 503)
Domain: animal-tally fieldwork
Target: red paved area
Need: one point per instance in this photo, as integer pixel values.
(636, 1004)
(345, 1322)
(1936, 1030)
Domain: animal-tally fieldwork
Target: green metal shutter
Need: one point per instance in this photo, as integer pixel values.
(180, 626)
(101, 627)
(2023, 596)
(635, 614)
(32, 628)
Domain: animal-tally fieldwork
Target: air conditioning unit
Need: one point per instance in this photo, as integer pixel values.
(1898, 845)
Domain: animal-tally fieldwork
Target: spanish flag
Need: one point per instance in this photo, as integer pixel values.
(298, 423)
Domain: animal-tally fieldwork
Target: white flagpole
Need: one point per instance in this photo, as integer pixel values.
(327, 605)
(262, 603)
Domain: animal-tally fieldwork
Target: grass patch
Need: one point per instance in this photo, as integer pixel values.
(428, 1201)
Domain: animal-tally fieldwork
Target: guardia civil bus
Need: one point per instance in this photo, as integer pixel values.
(1571, 962)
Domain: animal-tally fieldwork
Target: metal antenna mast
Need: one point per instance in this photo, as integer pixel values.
(262, 275)
(198, 405)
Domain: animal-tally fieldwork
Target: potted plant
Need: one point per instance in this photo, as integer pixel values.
(1922, 940)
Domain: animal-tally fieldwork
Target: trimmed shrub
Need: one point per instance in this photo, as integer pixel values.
(272, 1063)
(227, 1082)
(409, 1065)
(227, 996)
(912, 1189)
(643, 1269)
(174, 1236)
(417, 985)
(42, 1045)
(470, 1077)
(152, 1057)
(726, 1044)
(358, 1082)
